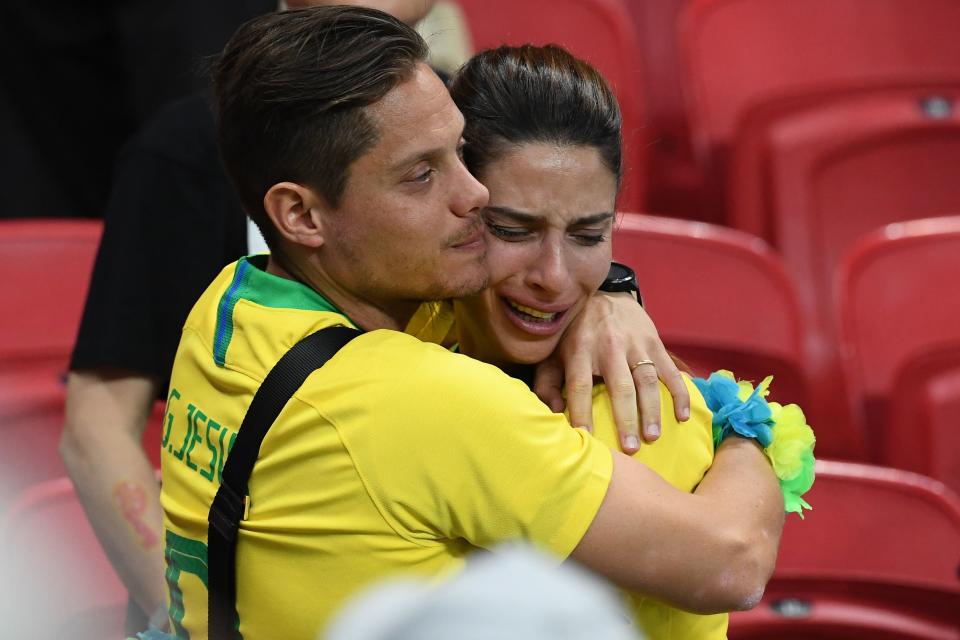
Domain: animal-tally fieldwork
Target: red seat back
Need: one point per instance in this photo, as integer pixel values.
(748, 189)
(599, 31)
(916, 419)
(739, 54)
(828, 610)
(899, 311)
(877, 557)
(846, 169)
(61, 583)
(46, 270)
(875, 525)
(674, 179)
(720, 298)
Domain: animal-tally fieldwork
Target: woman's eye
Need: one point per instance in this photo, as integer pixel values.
(508, 233)
(589, 239)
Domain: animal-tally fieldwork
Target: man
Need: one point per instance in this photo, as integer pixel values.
(396, 455)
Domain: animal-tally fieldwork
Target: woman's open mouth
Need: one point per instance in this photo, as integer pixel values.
(532, 320)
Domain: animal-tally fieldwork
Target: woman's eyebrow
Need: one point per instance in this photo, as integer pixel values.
(516, 216)
(592, 219)
(530, 218)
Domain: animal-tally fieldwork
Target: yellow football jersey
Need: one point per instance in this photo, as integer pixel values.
(396, 456)
(681, 455)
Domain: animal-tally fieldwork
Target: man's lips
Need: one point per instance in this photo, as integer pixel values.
(474, 239)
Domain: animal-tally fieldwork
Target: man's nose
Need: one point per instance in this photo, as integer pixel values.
(468, 195)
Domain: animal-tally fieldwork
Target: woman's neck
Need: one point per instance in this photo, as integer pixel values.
(472, 345)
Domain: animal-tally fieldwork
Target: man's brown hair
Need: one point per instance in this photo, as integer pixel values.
(291, 89)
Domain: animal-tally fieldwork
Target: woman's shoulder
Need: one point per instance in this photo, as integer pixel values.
(684, 450)
(700, 415)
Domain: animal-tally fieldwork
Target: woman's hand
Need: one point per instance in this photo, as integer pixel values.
(608, 339)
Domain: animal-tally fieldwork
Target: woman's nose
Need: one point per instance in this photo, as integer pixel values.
(550, 272)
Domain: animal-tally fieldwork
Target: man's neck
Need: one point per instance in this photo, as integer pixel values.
(365, 314)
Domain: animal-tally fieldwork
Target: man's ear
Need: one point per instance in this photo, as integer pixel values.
(295, 211)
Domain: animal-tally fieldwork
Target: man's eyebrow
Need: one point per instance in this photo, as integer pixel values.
(528, 218)
(417, 156)
(424, 154)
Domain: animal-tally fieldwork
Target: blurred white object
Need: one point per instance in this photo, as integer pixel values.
(514, 593)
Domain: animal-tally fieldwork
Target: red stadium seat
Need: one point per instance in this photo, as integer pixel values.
(59, 580)
(916, 420)
(899, 315)
(749, 192)
(878, 557)
(739, 55)
(599, 31)
(47, 265)
(720, 298)
(846, 169)
(836, 171)
(674, 179)
(825, 610)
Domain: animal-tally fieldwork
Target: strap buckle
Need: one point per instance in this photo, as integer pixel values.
(226, 512)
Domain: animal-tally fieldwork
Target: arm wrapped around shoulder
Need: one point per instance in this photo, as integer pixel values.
(713, 550)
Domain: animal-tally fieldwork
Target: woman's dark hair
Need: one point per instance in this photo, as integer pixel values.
(292, 87)
(515, 95)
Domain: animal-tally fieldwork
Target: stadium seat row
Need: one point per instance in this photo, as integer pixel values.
(722, 299)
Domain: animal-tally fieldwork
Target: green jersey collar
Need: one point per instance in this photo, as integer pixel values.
(252, 282)
(269, 290)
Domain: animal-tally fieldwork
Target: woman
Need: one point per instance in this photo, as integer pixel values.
(543, 134)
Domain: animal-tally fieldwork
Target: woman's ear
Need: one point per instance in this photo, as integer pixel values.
(295, 211)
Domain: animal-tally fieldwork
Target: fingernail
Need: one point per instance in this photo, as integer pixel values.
(587, 427)
(632, 442)
(685, 413)
(653, 430)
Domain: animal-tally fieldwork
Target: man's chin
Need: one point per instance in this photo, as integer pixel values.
(462, 289)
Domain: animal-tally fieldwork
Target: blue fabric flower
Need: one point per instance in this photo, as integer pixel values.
(749, 417)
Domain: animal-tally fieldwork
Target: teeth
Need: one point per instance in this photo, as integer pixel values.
(533, 313)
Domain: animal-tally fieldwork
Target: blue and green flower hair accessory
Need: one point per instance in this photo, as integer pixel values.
(782, 431)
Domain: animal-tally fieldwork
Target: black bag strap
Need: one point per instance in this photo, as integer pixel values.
(228, 506)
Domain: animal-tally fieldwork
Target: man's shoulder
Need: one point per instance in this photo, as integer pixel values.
(205, 311)
(425, 362)
(398, 368)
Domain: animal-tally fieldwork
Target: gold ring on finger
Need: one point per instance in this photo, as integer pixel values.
(641, 362)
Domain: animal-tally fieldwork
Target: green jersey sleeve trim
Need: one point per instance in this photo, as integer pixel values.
(224, 331)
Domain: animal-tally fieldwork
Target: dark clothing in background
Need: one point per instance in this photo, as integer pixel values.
(79, 78)
(172, 224)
